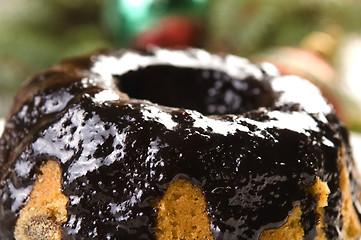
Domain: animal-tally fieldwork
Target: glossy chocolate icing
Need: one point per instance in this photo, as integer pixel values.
(240, 132)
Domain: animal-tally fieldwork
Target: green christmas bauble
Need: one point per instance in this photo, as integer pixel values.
(126, 19)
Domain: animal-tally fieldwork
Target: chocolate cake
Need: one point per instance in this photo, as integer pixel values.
(168, 144)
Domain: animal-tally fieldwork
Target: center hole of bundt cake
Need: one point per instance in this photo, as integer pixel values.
(209, 91)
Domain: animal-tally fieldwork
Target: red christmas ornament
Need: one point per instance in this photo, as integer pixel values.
(171, 32)
(166, 23)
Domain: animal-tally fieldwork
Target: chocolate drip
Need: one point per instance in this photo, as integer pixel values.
(118, 156)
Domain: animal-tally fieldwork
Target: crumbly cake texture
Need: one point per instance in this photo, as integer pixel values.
(45, 210)
(182, 213)
(221, 149)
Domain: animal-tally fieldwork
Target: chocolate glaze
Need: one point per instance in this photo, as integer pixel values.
(249, 142)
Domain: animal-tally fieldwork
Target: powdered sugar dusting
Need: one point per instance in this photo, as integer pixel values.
(297, 90)
(154, 113)
(299, 122)
(218, 126)
(106, 95)
(108, 66)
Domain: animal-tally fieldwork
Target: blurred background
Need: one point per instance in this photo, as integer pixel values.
(316, 39)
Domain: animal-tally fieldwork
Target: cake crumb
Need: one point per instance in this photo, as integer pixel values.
(182, 213)
(45, 210)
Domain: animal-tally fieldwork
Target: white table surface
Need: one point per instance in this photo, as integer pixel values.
(356, 147)
(1, 126)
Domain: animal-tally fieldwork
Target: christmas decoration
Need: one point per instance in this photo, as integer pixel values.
(249, 26)
(166, 23)
(36, 34)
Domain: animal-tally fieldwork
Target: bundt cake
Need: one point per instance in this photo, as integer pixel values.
(167, 144)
